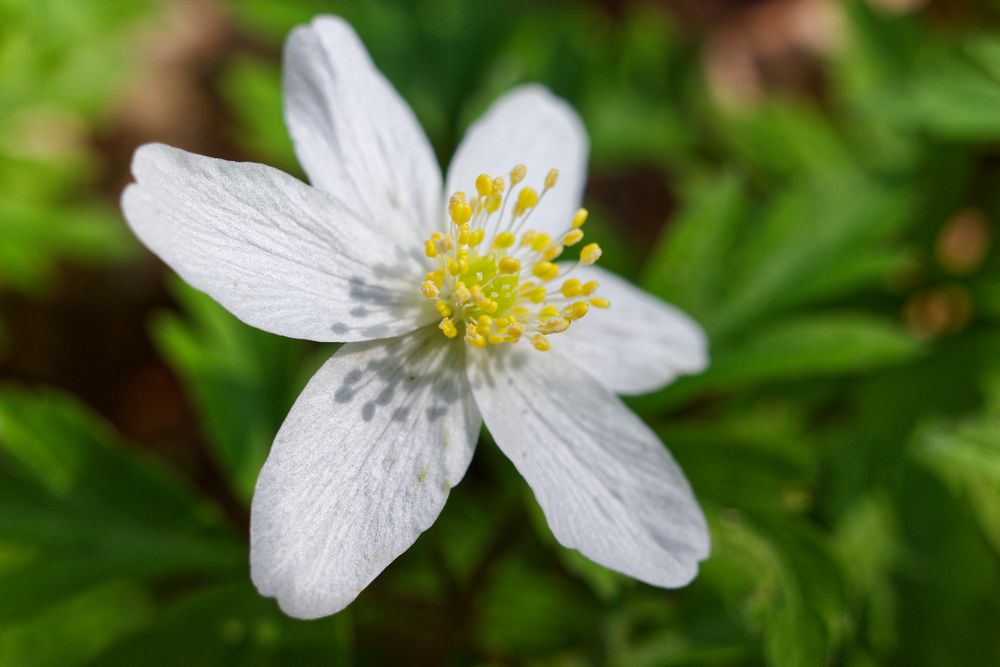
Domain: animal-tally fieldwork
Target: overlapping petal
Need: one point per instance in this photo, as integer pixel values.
(354, 135)
(362, 465)
(278, 254)
(528, 126)
(638, 345)
(607, 485)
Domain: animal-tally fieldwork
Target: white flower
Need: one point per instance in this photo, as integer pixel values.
(454, 312)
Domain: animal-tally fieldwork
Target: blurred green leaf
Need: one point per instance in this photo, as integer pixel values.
(954, 90)
(820, 345)
(74, 631)
(253, 89)
(802, 248)
(527, 613)
(788, 584)
(36, 237)
(683, 267)
(244, 380)
(88, 511)
(230, 624)
(968, 454)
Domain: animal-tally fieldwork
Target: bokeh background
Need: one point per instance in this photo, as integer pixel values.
(817, 182)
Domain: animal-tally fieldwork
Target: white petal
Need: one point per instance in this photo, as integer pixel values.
(362, 465)
(528, 126)
(638, 345)
(354, 135)
(278, 254)
(607, 485)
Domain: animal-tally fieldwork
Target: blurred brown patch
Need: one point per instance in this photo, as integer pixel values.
(771, 46)
(898, 6)
(937, 311)
(173, 99)
(964, 240)
(639, 197)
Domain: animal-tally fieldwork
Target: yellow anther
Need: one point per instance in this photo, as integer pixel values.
(504, 240)
(573, 237)
(447, 327)
(551, 178)
(502, 322)
(484, 185)
(549, 311)
(570, 288)
(476, 341)
(588, 288)
(540, 242)
(517, 174)
(541, 343)
(463, 261)
(444, 310)
(509, 265)
(430, 248)
(482, 300)
(498, 185)
(458, 209)
(453, 267)
(514, 331)
(579, 218)
(494, 339)
(484, 323)
(476, 237)
(429, 289)
(590, 253)
(463, 235)
(552, 252)
(545, 270)
(445, 244)
(437, 277)
(554, 325)
(537, 295)
(578, 310)
(600, 303)
(494, 203)
(526, 200)
(528, 238)
(461, 292)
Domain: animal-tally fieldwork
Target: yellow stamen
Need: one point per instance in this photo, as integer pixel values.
(509, 265)
(545, 270)
(484, 185)
(526, 200)
(504, 240)
(578, 310)
(552, 252)
(540, 242)
(447, 327)
(517, 174)
(579, 218)
(429, 289)
(571, 288)
(590, 253)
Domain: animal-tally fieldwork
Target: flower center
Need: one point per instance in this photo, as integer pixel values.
(495, 279)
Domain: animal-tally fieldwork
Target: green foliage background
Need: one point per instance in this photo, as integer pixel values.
(845, 442)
